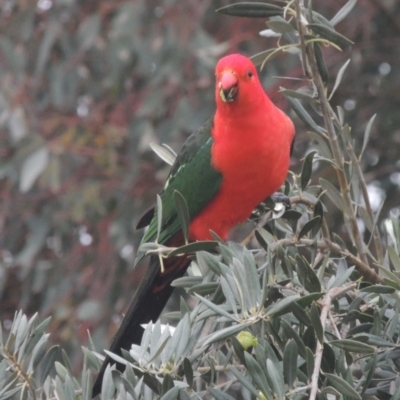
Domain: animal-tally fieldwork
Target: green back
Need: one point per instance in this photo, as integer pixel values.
(194, 177)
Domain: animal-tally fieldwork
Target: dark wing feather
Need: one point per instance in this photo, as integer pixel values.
(194, 177)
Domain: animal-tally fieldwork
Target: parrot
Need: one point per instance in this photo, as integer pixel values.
(237, 159)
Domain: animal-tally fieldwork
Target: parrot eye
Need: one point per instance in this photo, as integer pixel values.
(249, 73)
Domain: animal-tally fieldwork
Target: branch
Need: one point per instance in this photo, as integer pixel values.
(327, 112)
(326, 305)
(326, 245)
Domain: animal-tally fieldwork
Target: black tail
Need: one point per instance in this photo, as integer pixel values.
(147, 304)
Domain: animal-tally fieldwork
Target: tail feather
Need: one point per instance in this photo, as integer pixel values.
(147, 304)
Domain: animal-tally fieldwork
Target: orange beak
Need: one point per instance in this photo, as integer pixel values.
(228, 86)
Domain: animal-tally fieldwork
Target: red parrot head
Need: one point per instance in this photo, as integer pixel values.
(237, 81)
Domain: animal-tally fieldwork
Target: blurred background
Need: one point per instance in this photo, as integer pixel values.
(86, 85)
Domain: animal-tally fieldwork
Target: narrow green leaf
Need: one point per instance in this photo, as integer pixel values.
(394, 258)
(310, 362)
(306, 170)
(381, 289)
(224, 333)
(260, 239)
(107, 387)
(48, 362)
(220, 311)
(290, 355)
(257, 374)
(353, 346)
(187, 281)
(251, 10)
(305, 301)
(281, 306)
(172, 394)
(332, 193)
(159, 216)
(316, 323)
(313, 224)
(330, 35)
(339, 77)
(187, 368)
(219, 395)
(243, 380)
(280, 26)
(300, 314)
(303, 114)
(276, 376)
(319, 57)
(370, 374)
(343, 12)
(342, 278)
(238, 348)
(366, 135)
(291, 333)
(204, 288)
(342, 386)
(164, 152)
(183, 214)
(321, 145)
(207, 245)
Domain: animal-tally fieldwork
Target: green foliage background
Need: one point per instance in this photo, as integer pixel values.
(85, 86)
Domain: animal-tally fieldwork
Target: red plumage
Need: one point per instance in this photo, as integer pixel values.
(252, 140)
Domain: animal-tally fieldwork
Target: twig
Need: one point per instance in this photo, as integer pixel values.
(363, 186)
(327, 301)
(364, 269)
(349, 213)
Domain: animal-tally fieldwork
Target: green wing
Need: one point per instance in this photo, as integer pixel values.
(194, 177)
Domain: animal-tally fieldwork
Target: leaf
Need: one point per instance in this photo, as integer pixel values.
(187, 367)
(310, 225)
(281, 306)
(224, 333)
(164, 152)
(243, 380)
(321, 145)
(316, 323)
(332, 193)
(290, 363)
(339, 77)
(303, 114)
(291, 333)
(353, 346)
(371, 371)
(300, 313)
(306, 170)
(183, 214)
(310, 362)
(319, 57)
(275, 375)
(380, 289)
(343, 12)
(366, 135)
(172, 394)
(280, 26)
(207, 245)
(159, 216)
(251, 10)
(256, 372)
(204, 288)
(220, 311)
(48, 361)
(32, 168)
(330, 35)
(260, 239)
(342, 386)
(219, 395)
(341, 278)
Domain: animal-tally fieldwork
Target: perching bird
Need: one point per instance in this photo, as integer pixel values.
(224, 170)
